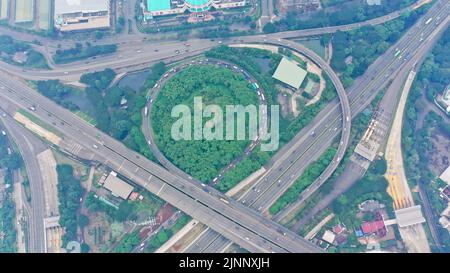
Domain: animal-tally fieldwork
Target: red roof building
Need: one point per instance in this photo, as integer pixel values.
(372, 227)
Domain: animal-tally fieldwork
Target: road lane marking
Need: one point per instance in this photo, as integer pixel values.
(162, 187)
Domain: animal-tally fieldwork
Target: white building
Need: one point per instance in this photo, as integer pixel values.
(117, 186)
(153, 8)
(76, 15)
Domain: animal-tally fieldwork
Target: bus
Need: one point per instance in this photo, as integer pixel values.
(255, 86)
(224, 200)
(428, 21)
(397, 53)
(146, 111)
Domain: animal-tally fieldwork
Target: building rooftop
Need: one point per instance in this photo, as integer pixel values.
(71, 6)
(409, 216)
(157, 5)
(117, 186)
(290, 73)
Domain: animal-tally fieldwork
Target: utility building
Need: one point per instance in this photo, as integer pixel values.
(290, 74)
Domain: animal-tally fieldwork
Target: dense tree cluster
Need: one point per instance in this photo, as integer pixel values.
(346, 13)
(372, 186)
(311, 173)
(201, 158)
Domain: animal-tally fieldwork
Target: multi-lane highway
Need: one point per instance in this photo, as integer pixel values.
(236, 222)
(29, 147)
(303, 149)
(135, 51)
(153, 94)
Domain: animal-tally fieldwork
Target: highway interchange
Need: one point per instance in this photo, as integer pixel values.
(252, 231)
(290, 161)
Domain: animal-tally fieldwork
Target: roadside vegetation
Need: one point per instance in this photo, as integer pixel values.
(359, 125)
(10, 51)
(345, 13)
(58, 92)
(166, 233)
(311, 173)
(80, 52)
(355, 50)
(418, 141)
(202, 159)
(69, 194)
(127, 210)
(261, 64)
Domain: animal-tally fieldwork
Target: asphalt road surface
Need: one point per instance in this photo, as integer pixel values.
(373, 80)
(229, 218)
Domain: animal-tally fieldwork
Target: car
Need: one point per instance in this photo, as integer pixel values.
(94, 146)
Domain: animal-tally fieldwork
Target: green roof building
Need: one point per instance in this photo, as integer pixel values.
(290, 73)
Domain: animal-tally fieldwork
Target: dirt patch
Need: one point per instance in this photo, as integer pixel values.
(164, 213)
(98, 233)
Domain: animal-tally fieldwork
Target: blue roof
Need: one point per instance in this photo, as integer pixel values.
(157, 5)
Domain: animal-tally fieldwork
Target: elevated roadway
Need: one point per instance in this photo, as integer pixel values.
(236, 222)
